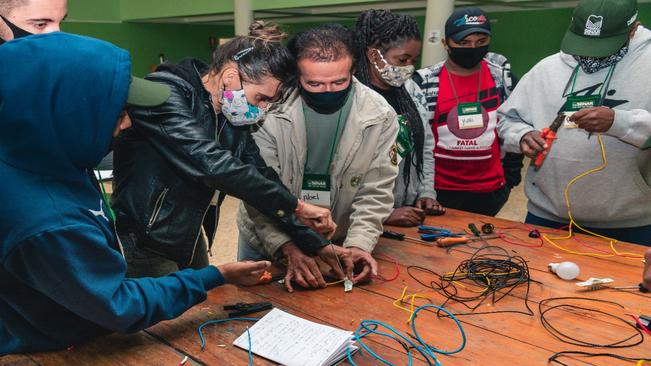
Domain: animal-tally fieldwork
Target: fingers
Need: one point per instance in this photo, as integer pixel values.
(532, 144)
(438, 209)
(259, 266)
(300, 280)
(316, 273)
(288, 280)
(580, 114)
(364, 275)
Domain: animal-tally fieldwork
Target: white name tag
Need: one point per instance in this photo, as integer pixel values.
(319, 198)
(471, 121)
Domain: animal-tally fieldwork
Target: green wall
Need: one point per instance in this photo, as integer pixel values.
(524, 37)
(146, 41)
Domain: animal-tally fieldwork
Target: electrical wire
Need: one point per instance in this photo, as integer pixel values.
(630, 341)
(370, 327)
(396, 266)
(485, 276)
(220, 321)
(557, 355)
(573, 223)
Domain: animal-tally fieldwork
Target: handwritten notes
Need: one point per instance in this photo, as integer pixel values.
(294, 341)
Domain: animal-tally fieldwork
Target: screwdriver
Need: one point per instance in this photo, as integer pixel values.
(402, 237)
(447, 242)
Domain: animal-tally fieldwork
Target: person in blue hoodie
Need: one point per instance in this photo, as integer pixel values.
(62, 270)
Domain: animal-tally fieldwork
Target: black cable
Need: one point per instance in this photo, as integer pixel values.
(585, 310)
(497, 274)
(557, 355)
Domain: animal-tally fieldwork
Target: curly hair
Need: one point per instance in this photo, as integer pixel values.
(384, 30)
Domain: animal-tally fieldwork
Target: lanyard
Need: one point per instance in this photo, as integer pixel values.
(334, 141)
(603, 89)
(454, 90)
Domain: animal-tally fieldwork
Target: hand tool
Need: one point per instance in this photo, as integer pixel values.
(549, 134)
(446, 242)
(639, 287)
(242, 308)
(402, 237)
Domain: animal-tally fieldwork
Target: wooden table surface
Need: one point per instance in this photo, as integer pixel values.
(492, 339)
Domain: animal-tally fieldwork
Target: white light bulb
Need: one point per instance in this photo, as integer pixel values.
(565, 270)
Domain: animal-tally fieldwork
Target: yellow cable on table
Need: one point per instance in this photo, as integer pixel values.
(570, 234)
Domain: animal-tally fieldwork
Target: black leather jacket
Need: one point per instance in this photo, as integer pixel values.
(169, 164)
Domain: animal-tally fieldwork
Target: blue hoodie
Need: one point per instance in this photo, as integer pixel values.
(62, 272)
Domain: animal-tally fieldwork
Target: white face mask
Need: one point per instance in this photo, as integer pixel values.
(394, 75)
(237, 109)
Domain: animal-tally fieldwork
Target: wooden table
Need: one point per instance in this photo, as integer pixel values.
(493, 339)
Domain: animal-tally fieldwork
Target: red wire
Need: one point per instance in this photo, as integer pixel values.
(397, 266)
(645, 329)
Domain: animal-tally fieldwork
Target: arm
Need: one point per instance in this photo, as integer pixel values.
(426, 185)
(75, 267)
(514, 120)
(374, 200)
(306, 239)
(633, 127)
(180, 136)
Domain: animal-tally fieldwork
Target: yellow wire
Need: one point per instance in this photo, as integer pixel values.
(642, 362)
(570, 234)
(413, 297)
(334, 283)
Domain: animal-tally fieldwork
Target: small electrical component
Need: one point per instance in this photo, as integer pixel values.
(594, 284)
(488, 228)
(266, 277)
(645, 320)
(348, 285)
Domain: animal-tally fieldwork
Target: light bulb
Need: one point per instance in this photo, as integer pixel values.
(565, 270)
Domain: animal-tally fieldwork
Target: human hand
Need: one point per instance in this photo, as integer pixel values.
(246, 273)
(364, 260)
(301, 268)
(430, 206)
(339, 259)
(596, 119)
(532, 144)
(317, 218)
(406, 216)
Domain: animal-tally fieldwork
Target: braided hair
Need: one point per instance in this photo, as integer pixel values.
(383, 30)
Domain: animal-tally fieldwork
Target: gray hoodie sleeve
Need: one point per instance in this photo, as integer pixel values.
(633, 126)
(514, 119)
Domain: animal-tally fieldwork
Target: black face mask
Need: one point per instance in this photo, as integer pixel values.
(325, 102)
(17, 31)
(467, 57)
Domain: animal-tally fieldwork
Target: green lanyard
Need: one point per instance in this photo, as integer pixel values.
(603, 89)
(334, 142)
(105, 196)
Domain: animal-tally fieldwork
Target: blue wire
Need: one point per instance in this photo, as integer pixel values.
(220, 321)
(368, 327)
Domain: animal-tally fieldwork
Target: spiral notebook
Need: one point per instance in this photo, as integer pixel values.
(293, 341)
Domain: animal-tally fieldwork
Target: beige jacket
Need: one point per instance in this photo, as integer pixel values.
(365, 168)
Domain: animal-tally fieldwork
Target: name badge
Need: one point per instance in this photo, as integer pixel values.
(470, 116)
(575, 104)
(316, 189)
(404, 143)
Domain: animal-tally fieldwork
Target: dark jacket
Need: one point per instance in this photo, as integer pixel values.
(169, 164)
(62, 273)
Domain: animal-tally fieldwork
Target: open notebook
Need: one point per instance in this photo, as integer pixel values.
(293, 341)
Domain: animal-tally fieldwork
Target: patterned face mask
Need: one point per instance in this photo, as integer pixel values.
(394, 75)
(237, 109)
(590, 65)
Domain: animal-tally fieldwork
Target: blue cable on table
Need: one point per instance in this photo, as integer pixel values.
(368, 327)
(220, 321)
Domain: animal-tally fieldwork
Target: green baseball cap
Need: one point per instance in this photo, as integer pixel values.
(145, 93)
(599, 28)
